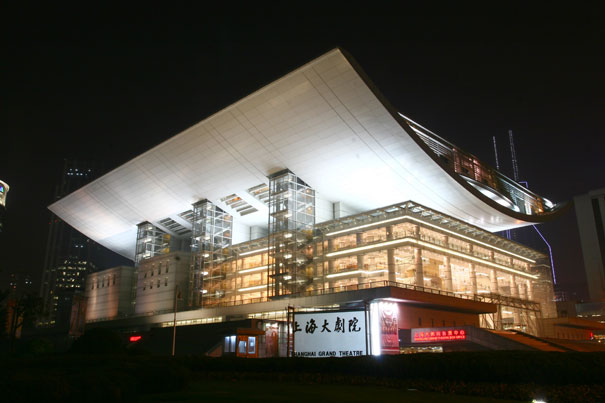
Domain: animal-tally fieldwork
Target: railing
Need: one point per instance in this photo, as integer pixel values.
(489, 298)
(466, 164)
(354, 287)
(386, 283)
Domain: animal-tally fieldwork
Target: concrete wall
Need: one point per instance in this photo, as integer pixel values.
(157, 280)
(109, 293)
(413, 317)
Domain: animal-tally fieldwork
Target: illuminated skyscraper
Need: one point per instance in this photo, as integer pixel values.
(590, 213)
(69, 254)
(3, 191)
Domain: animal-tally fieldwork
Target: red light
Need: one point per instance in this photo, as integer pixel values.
(135, 338)
(440, 335)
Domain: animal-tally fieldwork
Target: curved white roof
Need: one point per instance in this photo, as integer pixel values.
(324, 121)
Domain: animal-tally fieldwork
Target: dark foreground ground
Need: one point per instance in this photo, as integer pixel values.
(266, 391)
(456, 377)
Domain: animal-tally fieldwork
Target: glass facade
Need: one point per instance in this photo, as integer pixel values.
(151, 241)
(211, 239)
(291, 222)
(405, 245)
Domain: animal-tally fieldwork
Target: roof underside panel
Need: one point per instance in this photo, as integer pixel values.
(321, 121)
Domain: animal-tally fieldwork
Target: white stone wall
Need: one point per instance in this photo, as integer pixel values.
(156, 281)
(109, 293)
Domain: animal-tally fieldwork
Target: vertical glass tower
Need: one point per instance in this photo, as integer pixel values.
(291, 222)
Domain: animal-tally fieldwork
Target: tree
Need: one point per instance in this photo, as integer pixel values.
(21, 310)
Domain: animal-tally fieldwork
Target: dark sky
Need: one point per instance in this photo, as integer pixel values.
(108, 84)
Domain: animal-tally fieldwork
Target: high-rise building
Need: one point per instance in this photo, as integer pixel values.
(69, 254)
(590, 214)
(3, 191)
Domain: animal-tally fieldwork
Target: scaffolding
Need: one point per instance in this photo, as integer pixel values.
(151, 241)
(291, 222)
(210, 243)
(526, 314)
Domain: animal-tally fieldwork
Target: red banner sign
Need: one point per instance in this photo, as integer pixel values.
(437, 334)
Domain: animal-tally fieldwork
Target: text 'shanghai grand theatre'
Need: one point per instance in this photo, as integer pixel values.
(311, 218)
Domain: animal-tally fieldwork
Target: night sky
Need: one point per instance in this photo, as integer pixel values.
(107, 85)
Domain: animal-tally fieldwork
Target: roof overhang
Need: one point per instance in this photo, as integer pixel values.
(324, 121)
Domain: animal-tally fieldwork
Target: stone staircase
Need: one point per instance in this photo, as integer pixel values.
(529, 341)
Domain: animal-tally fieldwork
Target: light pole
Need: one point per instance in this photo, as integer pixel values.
(176, 295)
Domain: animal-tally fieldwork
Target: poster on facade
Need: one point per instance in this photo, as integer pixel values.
(271, 332)
(389, 328)
(384, 325)
(329, 334)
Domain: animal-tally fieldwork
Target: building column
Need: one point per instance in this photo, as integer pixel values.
(330, 264)
(522, 290)
(493, 276)
(418, 269)
(392, 274)
(473, 279)
(449, 283)
(359, 242)
(530, 291)
(514, 290)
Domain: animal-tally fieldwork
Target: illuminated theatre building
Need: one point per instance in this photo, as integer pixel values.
(313, 193)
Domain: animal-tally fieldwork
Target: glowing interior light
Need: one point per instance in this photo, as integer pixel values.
(350, 273)
(259, 268)
(433, 226)
(257, 287)
(433, 247)
(252, 252)
(374, 329)
(287, 277)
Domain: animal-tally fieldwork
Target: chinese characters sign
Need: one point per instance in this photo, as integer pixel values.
(437, 334)
(329, 334)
